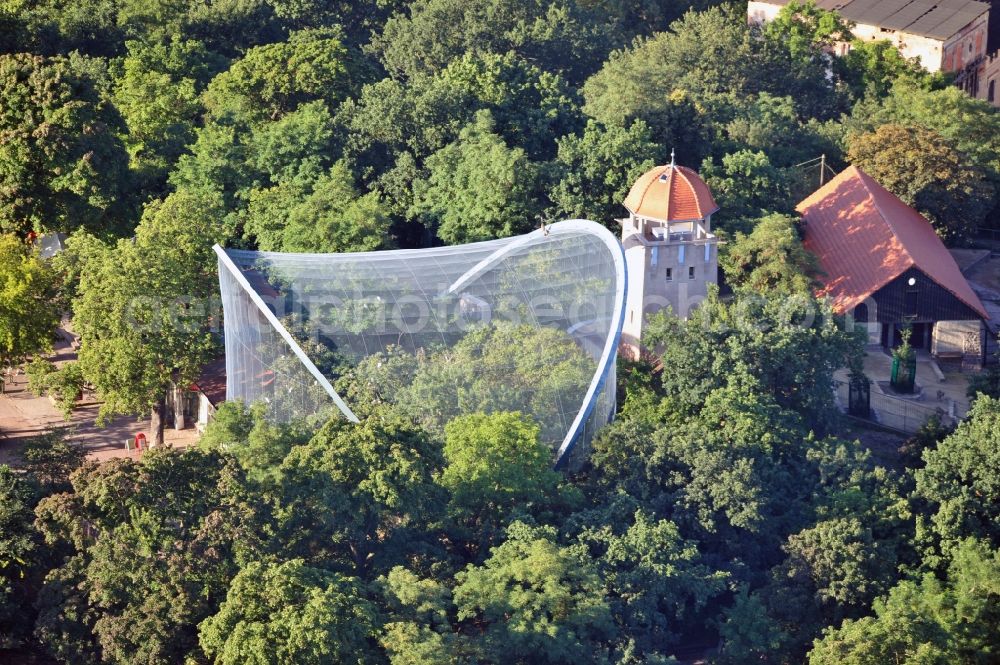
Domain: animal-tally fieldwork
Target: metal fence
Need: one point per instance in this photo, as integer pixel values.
(906, 415)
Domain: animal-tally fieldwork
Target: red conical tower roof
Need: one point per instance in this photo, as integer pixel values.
(670, 193)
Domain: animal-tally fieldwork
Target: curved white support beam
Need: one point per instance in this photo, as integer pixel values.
(607, 354)
(292, 344)
(497, 256)
(615, 330)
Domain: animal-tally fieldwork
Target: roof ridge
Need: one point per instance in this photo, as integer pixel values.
(895, 233)
(697, 203)
(907, 260)
(670, 186)
(862, 176)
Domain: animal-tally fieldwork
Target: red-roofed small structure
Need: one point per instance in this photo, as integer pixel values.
(196, 403)
(883, 262)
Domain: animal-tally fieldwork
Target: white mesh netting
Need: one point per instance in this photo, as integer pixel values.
(528, 324)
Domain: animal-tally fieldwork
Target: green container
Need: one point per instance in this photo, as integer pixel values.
(904, 373)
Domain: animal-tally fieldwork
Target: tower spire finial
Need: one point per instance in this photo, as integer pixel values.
(671, 158)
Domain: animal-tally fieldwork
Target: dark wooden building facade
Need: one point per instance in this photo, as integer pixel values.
(884, 265)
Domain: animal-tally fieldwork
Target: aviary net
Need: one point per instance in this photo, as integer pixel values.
(528, 324)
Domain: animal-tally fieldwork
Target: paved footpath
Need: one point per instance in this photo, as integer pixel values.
(22, 416)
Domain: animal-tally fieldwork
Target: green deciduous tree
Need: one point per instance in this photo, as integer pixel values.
(788, 346)
(770, 259)
(18, 551)
(748, 634)
(157, 94)
(971, 125)
(873, 67)
(657, 585)
(153, 547)
(144, 308)
(530, 105)
(961, 481)
(805, 29)
(772, 124)
(926, 621)
(596, 170)
(478, 188)
(495, 465)
(62, 165)
(840, 561)
(703, 53)
(246, 433)
(29, 302)
(291, 613)
(359, 496)
(275, 79)
(419, 629)
(325, 215)
(432, 33)
(534, 600)
(687, 82)
(50, 460)
(298, 146)
(920, 167)
(745, 184)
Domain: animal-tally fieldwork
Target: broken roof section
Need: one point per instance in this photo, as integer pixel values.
(937, 19)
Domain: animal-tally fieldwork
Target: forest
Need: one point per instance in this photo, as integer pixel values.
(728, 513)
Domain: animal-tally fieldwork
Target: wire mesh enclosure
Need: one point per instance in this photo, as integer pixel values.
(528, 324)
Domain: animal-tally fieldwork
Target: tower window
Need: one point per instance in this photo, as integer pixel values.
(691, 272)
(670, 274)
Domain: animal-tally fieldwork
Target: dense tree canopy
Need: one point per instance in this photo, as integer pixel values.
(745, 184)
(144, 309)
(433, 32)
(959, 481)
(926, 621)
(64, 165)
(290, 613)
(728, 513)
(157, 96)
(597, 169)
(924, 170)
(771, 259)
(29, 301)
(478, 188)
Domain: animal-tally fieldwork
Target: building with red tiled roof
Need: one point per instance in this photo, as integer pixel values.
(883, 263)
(670, 251)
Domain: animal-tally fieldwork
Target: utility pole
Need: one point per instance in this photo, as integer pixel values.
(822, 169)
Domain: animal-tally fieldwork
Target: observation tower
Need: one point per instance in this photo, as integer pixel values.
(670, 251)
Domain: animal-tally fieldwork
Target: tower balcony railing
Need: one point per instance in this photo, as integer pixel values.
(674, 233)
